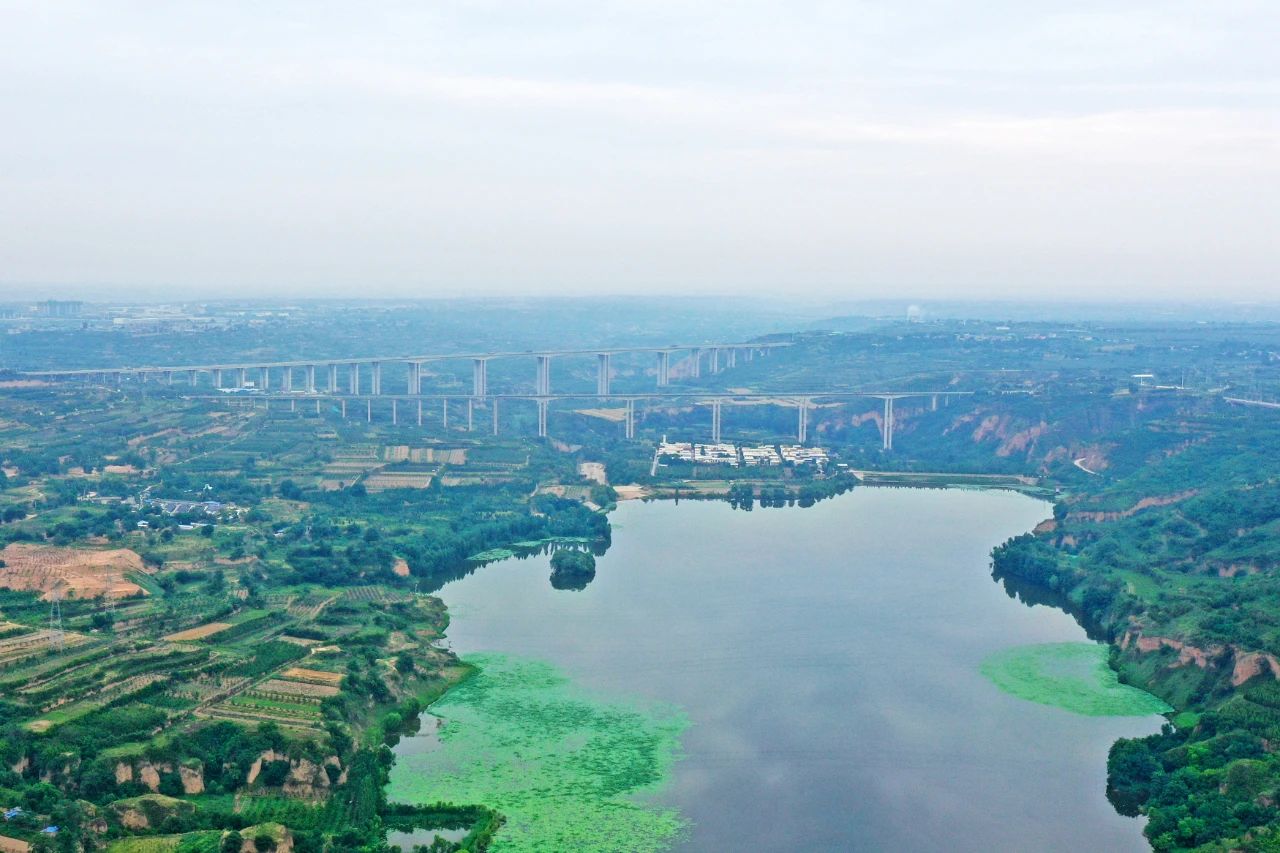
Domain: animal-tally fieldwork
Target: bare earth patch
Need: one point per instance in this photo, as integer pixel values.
(199, 632)
(317, 675)
(71, 572)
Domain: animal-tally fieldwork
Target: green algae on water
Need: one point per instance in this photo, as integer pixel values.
(1072, 676)
(563, 765)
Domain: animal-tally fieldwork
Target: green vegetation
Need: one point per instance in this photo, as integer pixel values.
(1073, 676)
(563, 766)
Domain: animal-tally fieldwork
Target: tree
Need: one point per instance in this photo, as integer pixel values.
(232, 842)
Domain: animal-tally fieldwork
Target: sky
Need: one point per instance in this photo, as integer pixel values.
(805, 150)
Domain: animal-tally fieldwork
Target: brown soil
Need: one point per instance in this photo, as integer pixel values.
(72, 572)
(199, 632)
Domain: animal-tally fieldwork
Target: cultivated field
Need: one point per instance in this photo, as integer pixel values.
(199, 632)
(71, 572)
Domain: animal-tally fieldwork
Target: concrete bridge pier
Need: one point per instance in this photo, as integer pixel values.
(664, 369)
(353, 379)
(377, 378)
(191, 378)
(444, 416)
(264, 378)
(887, 431)
(286, 379)
(602, 374)
(415, 375)
(344, 408)
(217, 377)
(333, 379)
(802, 427)
(542, 418)
(631, 418)
(470, 412)
(242, 378)
(419, 413)
(310, 374)
(317, 407)
(733, 356)
(368, 410)
(494, 403)
(395, 413)
(480, 377)
(715, 421)
(715, 360)
(696, 356)
(543, 383)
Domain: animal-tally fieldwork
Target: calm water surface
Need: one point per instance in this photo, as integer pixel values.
(828, 661)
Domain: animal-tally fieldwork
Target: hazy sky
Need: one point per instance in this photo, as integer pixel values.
(828, 149)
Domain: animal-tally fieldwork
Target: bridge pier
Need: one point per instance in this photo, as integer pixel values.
(395, 412)
(543, 383)
(242, 378)
(664, 369)
(470, 408)
(353, 379)
(419, 413)
(887, 431)
(542, 417)
(444, 418)
(933, 402)
(333, 379)
(480, 377)
(602, 374)
(377, 378)
(631, 418)
(715, 421)
(368, 410)
(802, 427)
(311, 378)
(286, 380)
(696, 371)
(264, 378)
(494, 403)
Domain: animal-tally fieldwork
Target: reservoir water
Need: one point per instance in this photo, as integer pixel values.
(827, 664)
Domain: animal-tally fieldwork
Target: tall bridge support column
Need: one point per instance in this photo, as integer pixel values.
(217, 377)
(602, 374)
(542, 417)
(168, 376)
(353, 379)
(444, 415)
(480, 377)
(415, 374)
(286, 379)
(733, 356)
(696, 355)
(344, 408)
(802, 427)
(933, 403)
(419, 413)
(317, 407)
(715, 421)
(494, 403)
(631, 418)
(395, 413)
(664, 369)
(191, 378)
(368, 410)
(311, 378)
(333, 379)
(377, 378)
(470, 411)
(264, 378)
(887, 431)
(242, 378)
(715, 360)
(543, 384)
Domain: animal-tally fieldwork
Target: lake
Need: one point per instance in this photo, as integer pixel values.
(817, 670)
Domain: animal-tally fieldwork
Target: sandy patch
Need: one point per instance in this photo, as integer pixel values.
(319, 676)
(199, 632)
(631, 493)
(72, 572)
(401, 568)
(593, 471)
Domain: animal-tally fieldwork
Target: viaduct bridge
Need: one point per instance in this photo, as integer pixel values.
(320, 382)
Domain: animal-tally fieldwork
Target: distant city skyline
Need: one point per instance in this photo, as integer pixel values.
(819, 151)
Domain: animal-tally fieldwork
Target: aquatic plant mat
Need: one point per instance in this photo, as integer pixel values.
(1072, 676)
(563, 765)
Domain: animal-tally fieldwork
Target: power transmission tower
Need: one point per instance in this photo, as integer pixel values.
(57, 639)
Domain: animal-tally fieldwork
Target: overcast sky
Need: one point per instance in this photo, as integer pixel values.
(917, 148)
